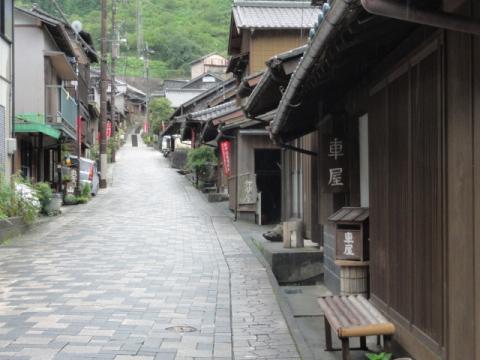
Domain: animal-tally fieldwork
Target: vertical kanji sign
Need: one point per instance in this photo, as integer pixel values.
(225, 149)
(109, 129)
(334, 171)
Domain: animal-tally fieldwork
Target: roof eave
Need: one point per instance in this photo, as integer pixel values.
(326, 30)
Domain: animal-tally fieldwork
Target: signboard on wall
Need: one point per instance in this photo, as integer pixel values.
(109, 129)
(349, 245)
(226, 149)
(247, 189)
(334, 174)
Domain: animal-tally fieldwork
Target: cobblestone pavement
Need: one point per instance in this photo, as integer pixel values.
(124, 276)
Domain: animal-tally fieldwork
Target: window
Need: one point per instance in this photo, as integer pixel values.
(6, 18)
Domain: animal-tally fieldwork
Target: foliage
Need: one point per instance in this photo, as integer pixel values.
(160, 111)
(178, 31)
(86, 191)
(381, 356)
(198, 159)
(44, 194)
(70, 200)
(82, 199)
(18, 198)
(147, 139)
(95, 152)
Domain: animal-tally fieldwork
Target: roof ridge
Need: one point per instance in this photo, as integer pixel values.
(274, 3)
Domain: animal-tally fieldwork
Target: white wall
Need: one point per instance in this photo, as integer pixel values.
(29, 66)
(6, 100)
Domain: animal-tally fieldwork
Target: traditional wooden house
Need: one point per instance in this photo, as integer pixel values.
(7, 147)
(389, 89)
(298, 160)
(258, 31)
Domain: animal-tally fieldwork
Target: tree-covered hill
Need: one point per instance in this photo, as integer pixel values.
(178, 31)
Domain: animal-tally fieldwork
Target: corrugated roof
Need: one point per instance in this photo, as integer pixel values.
(214, 112)
(274, 14)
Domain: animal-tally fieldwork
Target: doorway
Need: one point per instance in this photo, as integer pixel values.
(269, 184)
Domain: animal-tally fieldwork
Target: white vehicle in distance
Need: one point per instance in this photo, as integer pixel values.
(88, 173)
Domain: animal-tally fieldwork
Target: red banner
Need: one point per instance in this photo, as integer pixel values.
(109, 129)
(145, 127)
(226, 149)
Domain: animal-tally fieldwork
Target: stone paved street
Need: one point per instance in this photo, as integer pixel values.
(120, 278)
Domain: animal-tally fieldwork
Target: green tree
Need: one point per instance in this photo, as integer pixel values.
(178, 31)
(160, 111)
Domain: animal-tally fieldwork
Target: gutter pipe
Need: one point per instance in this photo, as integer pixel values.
(296, 149)
(438, 19)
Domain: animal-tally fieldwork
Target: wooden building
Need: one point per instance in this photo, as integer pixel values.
(298, 157)
(389, 90)
(262, 29)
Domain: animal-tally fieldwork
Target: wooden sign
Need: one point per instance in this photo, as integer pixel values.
(349, 245)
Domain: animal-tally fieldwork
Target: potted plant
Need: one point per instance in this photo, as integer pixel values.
(51, 202)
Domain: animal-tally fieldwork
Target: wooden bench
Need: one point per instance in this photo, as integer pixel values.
(354, 316)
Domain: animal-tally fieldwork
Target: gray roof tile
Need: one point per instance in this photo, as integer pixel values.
(214, 112)
(274, 14)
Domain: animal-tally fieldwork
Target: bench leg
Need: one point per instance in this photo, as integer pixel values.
(387, 343)
(363, 343)
(345, 349)
(328, 336)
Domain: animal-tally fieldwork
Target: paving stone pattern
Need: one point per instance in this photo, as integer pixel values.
(108, 279)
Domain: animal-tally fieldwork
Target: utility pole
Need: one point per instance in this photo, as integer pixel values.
(115, 50)
(103, 98)
(146, 69)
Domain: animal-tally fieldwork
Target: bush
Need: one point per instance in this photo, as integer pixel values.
(44, 193)
(86, 191)
(70, 200)
(18, 198)
(200, 158)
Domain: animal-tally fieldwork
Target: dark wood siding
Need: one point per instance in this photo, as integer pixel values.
(378, 154)
(406, 167)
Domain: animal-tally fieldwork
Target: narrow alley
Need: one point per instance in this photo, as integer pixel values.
(147, 270)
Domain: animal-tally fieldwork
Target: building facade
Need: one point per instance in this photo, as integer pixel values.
(6, 85)
(391, 98)
(211, 63)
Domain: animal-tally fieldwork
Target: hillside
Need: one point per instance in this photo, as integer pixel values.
(178, 31)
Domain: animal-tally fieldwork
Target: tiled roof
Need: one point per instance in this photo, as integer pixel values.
(214, 112)
(274, 14)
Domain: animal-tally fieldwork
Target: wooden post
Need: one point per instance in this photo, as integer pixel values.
(345, 349)
(328, 336)
(363, 343)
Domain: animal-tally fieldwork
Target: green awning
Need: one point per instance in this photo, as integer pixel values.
(37, 128)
